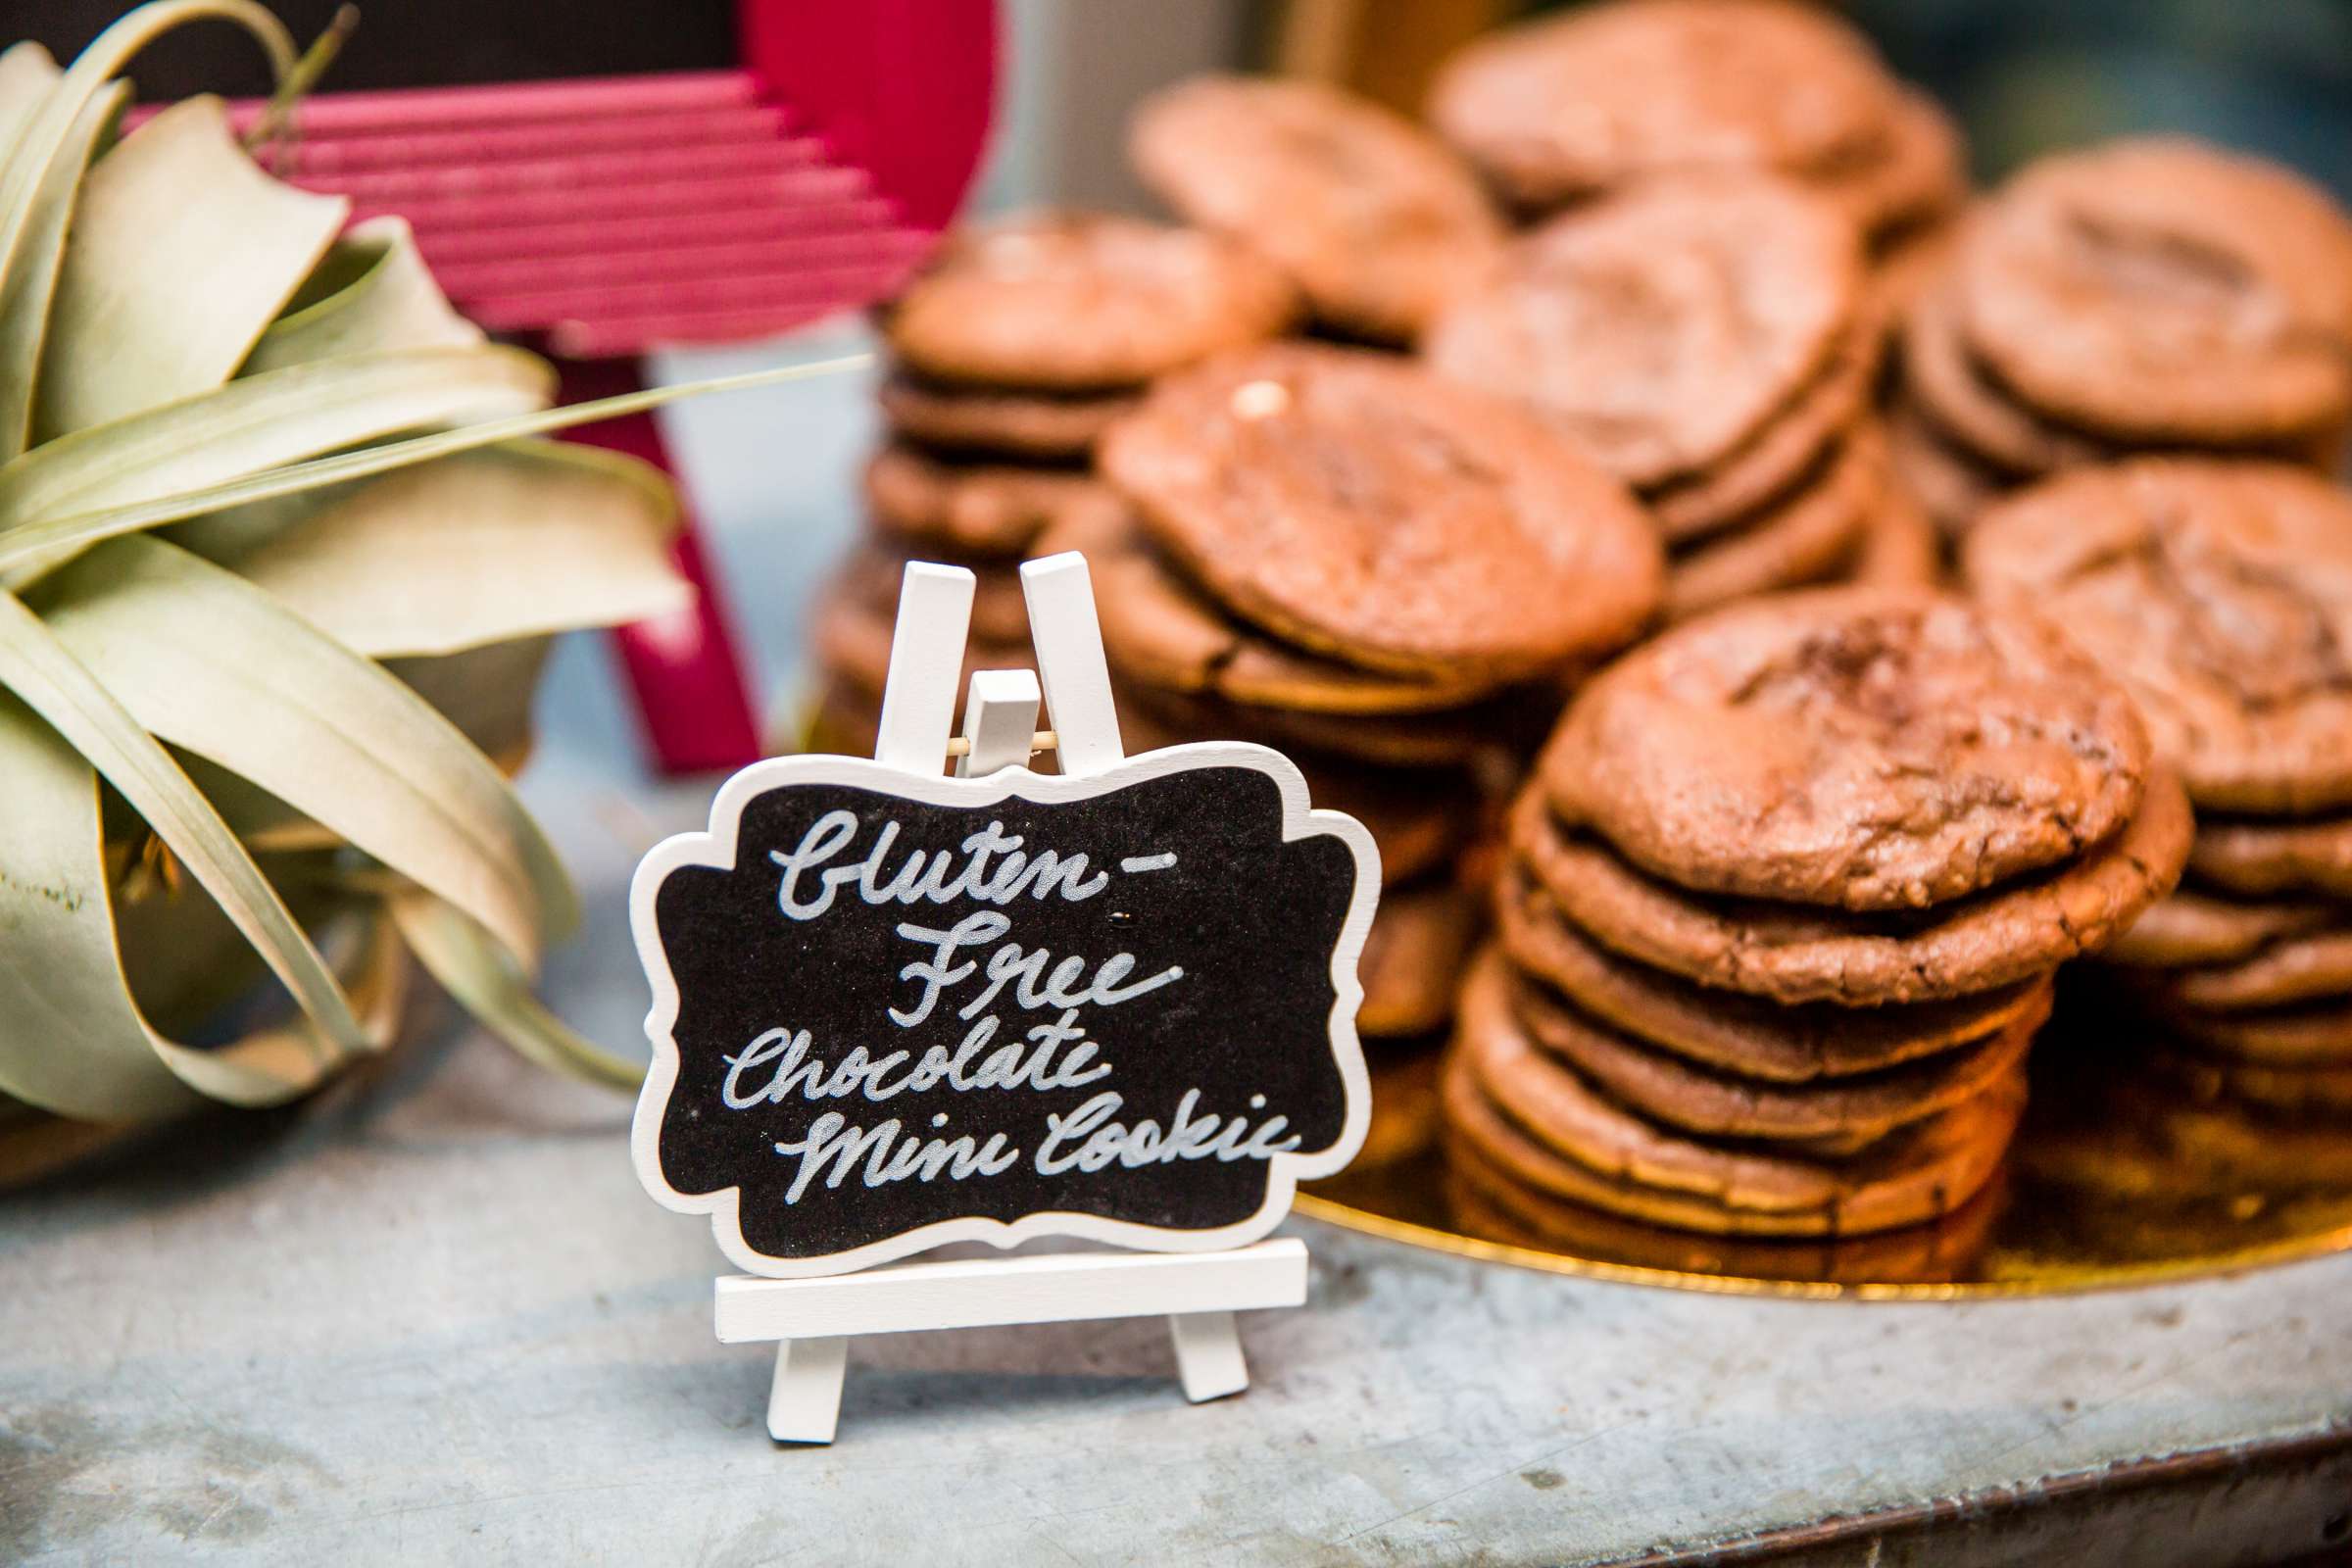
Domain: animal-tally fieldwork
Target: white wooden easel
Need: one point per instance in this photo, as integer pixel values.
(813, 1320)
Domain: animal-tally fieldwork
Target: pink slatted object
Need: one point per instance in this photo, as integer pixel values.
(603, 218)
(609, 217)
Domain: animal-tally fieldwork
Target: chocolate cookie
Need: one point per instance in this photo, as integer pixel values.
(2284, 971)
(1803, 538)
(1418, 816)
(1417, 821)
(1794, 953)
(2259, 857)
(1078, 302)
(1952, 486)
(1672, 1091)
(2216, 1138)
(1440, 740)
(851, 637)
(2195, 928)
(1434, 757)
(876, 569)
(1600, 95)
(1904, 266)
(2317, 1090)
(2314, 1035)
(1735, 1033)
(1661, 328)
(1914, 170)
(2160, 290)
(1405, 1107)
(1486, 1201)
(1900, 548)
(1939, 373)
(971, 509)
(1162, 630)
(1413, 958)
(1776, 457)
(1378, 223)
(985, 421)
(1857, 748)
(1360, 507)
(1541, 1123)
(2219, 592)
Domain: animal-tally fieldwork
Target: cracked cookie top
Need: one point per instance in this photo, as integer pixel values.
(1662, 327)
(1378, 222)
(2159, 290)
(1082, 302)
(1352, 504)
(2220, 593)
(1858, 748)
(1600, 95)
(1795, 952)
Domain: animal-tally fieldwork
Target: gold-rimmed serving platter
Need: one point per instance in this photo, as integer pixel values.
(2129, 1168)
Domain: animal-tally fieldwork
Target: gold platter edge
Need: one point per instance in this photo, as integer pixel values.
(2067, 1279)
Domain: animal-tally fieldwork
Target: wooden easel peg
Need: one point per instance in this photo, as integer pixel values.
(1044, 740)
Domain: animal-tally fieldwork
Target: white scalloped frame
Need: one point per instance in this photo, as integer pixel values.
(716, 849)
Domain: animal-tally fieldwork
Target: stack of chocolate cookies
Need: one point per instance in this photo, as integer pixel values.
(2153, 294)
(1709, 340)
(1603, 97)
(1335, 553)
(1784, 898)
(1377, 221)
(2219, 592)
(1011, 355)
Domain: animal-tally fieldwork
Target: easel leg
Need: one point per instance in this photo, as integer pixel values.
(1208, 1354)
(804, 1403)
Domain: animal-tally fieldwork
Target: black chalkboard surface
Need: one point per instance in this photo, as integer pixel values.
(892, 1012)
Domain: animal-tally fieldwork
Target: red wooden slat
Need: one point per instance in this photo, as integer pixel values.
(340, 155)
(676, 262)
(758, 291)
(451, 247)
(682, 199)
(513, 103)
(586, 180)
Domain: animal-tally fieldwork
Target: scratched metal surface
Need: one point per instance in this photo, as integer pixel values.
(431, 1318)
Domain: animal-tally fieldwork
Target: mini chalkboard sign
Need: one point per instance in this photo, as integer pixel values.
(894, 1010)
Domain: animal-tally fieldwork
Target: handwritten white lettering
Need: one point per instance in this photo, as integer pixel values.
(1101, 1142)
(925, 875)
(971, 972)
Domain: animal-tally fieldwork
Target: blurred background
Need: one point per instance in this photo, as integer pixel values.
(2023, 75)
